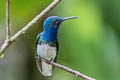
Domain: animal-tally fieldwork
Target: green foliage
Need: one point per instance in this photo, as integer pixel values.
(2, 55)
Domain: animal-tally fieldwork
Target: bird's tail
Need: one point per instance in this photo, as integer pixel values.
(44, 68)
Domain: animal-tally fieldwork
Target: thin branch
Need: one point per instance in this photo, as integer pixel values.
(8, 30)
(7, 43)
(67, 69)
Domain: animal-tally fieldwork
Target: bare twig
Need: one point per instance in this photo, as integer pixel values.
(8, 31)
(7, 43)
(68, 69)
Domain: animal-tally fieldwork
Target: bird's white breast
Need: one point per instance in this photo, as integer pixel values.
(46, 51)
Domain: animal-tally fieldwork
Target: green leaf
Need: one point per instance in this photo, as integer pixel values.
(1, 55)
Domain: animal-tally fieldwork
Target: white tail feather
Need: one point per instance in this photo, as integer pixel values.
(46, 69)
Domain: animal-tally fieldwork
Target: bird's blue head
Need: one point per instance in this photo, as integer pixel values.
(51, 25)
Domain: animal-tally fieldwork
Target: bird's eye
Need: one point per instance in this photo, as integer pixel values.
(55, 21)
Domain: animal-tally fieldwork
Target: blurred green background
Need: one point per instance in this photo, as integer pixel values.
(90, 44)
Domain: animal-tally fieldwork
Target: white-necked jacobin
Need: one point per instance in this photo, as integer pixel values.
(47, 43)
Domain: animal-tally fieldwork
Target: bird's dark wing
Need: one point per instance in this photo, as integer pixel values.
(38, 38)
(38, 60)
(57, 48)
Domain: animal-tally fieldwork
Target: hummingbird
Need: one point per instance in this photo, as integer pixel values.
(47, 43)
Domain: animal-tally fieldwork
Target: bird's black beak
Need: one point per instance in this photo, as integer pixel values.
(67, 18)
